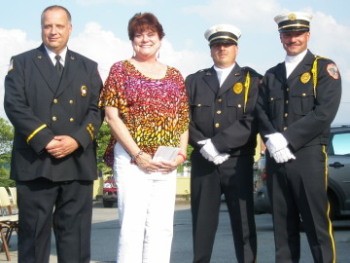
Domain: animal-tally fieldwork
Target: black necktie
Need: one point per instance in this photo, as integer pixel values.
(58, 65)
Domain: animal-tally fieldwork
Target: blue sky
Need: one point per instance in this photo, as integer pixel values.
(100, 32)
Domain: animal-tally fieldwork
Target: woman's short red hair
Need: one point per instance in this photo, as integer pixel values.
(141, 22)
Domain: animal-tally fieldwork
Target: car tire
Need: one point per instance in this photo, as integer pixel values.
(107, 203)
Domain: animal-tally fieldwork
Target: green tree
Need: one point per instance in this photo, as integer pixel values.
(6, 137)
(102, 142)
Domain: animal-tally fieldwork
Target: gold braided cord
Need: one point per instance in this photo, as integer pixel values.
(35, 132)
(90, 130)
(246, 90)
(330, 230)
(314, 73)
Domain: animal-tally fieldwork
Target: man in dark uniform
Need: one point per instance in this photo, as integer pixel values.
(52, 104)
(223, 135)
(297, 103)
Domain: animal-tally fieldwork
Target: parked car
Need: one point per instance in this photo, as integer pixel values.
(259, 172)
(338, 180)
(109, 192)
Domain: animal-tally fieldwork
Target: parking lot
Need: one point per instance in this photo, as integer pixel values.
(105, 228)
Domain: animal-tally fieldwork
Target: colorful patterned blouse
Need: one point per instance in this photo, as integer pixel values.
(155, 111)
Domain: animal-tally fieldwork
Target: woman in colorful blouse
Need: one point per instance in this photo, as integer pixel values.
(146, 107)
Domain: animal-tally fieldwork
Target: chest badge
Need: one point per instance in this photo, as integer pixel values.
(83, 91)
(237, 88)
(305, 77)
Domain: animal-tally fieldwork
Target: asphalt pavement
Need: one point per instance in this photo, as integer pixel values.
(105, 228)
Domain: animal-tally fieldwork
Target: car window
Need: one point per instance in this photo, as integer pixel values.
(341, 144)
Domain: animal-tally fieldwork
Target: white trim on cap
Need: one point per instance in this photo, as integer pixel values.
(296, 15)
(222, 28)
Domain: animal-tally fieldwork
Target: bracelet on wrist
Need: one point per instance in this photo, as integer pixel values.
(183, 156)
(134, 157)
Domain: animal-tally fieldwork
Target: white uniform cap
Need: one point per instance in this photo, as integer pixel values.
(223, 33)
(293, 21)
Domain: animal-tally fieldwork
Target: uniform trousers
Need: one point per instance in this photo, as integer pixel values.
(146, 204)
(298, 189)
(64, 206)
(234, 179)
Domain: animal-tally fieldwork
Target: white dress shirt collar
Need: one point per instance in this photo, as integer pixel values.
(292, 62)
(52, 55)
(222, 73)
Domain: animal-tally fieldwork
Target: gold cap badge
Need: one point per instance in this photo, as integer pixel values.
(292, 17)
(237, 88)
(305, 77)
(83, 90)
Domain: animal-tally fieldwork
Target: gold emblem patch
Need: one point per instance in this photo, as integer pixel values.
(237, 88)
(305, 77)
(83, 90)
(292, 17)
(332, 70)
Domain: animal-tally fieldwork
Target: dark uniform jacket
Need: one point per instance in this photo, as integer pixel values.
(41, 106)
(224, 115)
(301, 112)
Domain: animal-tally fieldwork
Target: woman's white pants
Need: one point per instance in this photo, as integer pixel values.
(146, 204)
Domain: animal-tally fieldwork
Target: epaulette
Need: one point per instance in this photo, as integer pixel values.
(197, 73)
(200, 71)
(205, 70)
(253, 73)
(319, 57)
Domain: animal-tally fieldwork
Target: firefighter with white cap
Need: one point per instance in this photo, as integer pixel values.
(297, 103)
(223, 134)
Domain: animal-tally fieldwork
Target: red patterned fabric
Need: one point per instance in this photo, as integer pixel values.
(155, 111)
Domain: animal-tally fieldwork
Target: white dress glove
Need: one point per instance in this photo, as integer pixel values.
(275, 142)
(222, 157)
(283, 155)
(208, 150)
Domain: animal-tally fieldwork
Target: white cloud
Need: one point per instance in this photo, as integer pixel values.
(98, 2)
(331, 39)
(328, 37)
(187, 61)
(260, 47)
(102, 46)
(106, 48)
(12, 42)
(257, 13)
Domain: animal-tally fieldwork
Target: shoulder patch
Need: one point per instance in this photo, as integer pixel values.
(332, 70)
(10, 66)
